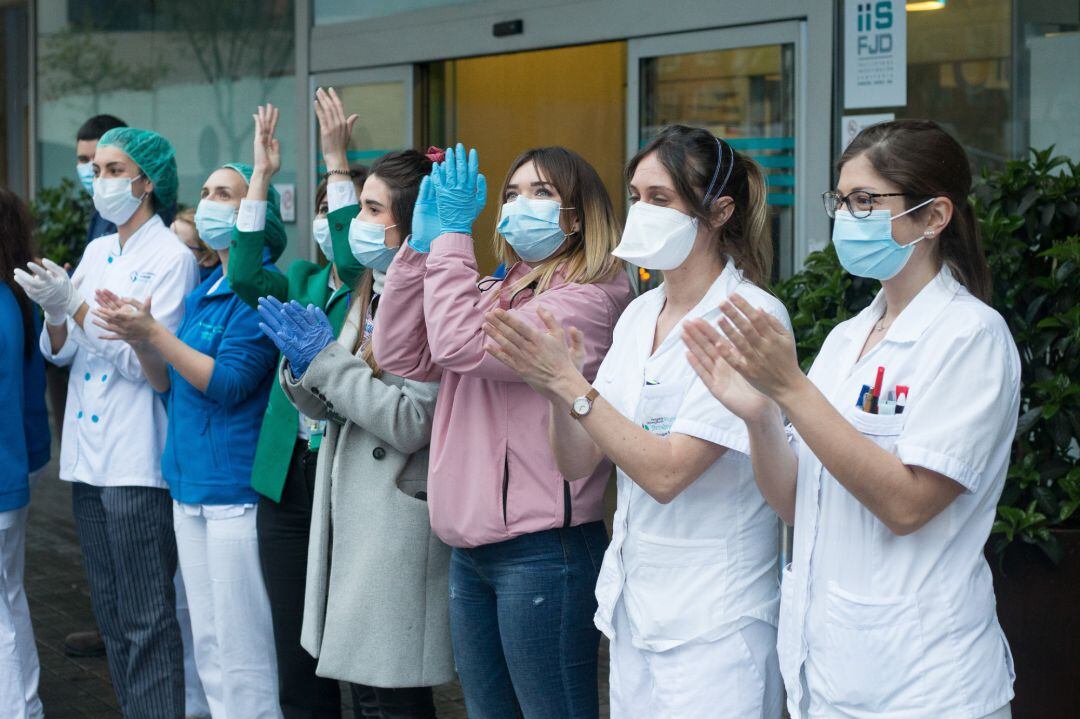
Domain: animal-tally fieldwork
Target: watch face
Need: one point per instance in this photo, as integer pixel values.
(581, 405)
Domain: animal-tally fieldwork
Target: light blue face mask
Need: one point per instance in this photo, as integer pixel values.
(367, 240)
(214, 221)
(85, 171)
(532, 227)
(866, 247)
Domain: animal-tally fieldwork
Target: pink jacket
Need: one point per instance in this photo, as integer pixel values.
(492, 475)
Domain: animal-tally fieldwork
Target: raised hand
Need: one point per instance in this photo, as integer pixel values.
(542, 359)
(335, 129)
(267, 156)
(460, 190)
(426, 225)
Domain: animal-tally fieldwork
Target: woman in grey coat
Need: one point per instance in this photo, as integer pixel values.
(376, 608)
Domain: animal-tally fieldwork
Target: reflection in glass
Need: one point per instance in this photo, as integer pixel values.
(193, 71)
(745, 96)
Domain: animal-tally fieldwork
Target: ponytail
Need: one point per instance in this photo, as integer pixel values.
(960, 249)
(746, 236)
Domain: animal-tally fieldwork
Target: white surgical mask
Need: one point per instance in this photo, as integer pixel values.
(113, 199)
(657, 238)
(320, 230)
(85, 171)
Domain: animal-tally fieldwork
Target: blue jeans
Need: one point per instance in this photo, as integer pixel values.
(521, 620)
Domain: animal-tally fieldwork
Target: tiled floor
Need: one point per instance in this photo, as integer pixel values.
(60, 604)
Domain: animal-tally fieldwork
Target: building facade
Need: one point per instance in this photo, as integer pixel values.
(787, 81)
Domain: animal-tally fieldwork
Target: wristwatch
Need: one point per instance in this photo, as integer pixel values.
(583, 405)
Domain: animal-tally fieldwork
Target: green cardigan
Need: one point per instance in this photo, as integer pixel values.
(307, 283)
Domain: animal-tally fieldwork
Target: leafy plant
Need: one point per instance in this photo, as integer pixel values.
(1029, 215)
(1030, 221)
(61, 215)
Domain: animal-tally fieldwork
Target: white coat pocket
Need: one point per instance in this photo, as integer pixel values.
(883, 429)
(675, 588)
(873, 659)
(658, 406)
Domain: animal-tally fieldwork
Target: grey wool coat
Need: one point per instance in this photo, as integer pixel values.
(376, 605)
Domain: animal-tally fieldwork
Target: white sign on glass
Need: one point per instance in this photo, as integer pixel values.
(875, 53)
(287, 193)
(852, 125)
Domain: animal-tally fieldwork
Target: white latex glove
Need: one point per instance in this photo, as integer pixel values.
(48, 285)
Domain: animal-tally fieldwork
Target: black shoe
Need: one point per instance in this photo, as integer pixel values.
(84, 644)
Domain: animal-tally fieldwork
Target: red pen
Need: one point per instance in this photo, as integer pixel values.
(877, 389)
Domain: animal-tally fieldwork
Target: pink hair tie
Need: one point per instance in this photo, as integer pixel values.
(435, 154)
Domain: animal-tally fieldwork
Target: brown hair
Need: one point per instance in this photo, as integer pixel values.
(924, 161)
(16, 251)
(586, 256)
(704, 169)
(402, 171)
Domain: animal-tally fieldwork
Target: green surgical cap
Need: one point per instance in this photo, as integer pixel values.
(275, 228)
(155, 157)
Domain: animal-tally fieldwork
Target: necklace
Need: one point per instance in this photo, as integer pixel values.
(880, 325)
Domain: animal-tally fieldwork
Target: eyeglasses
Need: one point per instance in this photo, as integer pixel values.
(859, 203)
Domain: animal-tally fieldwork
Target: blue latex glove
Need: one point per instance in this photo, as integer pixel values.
(299, 333)
(426, 225)
(460, 190)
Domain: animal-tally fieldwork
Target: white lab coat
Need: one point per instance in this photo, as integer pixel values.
(114, 425)
(700, 568)
(874, 624)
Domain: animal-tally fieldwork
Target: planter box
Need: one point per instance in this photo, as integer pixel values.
(1038, 605)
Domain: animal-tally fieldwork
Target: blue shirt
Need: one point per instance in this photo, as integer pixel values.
(24, 422)
(211, 437)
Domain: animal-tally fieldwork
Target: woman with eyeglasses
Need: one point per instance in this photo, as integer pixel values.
(899, 445)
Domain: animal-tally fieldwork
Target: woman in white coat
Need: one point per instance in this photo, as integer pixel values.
(688, 590)
(888, 606)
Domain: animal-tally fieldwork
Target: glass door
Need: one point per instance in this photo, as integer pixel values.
(742, 84)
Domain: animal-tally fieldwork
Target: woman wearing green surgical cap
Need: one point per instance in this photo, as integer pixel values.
(284, 466)
(215, 374)
(115, 425)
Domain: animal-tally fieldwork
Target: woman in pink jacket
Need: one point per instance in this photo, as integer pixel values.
(527, 542)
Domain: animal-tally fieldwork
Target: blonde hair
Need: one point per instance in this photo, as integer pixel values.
(586, 256)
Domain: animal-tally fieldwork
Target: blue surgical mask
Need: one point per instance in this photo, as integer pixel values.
(214, 221)
(113, 199)
(367, 240)
(532, 227)
(320, 229)
(85, 171)
(866, 247)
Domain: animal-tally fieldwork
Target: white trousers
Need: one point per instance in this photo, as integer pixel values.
(19, 668)
(195, 706)
(231, 630)
(737, 677)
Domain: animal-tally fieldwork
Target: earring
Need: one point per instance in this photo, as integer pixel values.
(928, 233)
